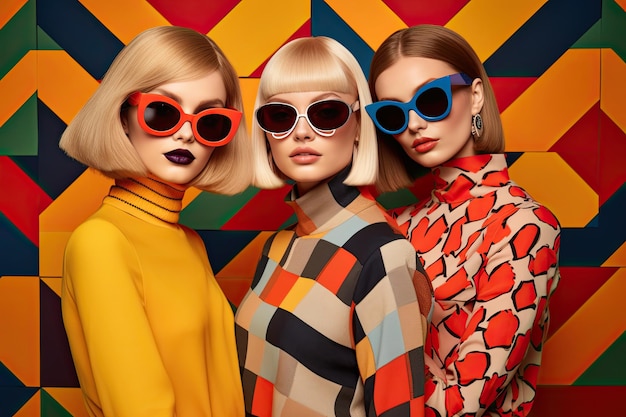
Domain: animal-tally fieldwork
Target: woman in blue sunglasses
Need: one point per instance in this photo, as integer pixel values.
(150, 330)
(335, 319)
(490, 250)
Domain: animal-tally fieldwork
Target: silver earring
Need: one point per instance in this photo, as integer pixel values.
(477, 125)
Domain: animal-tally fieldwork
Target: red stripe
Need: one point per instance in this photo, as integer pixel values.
(574, 401)
(265, 211)
(21, 199)
(435, 12)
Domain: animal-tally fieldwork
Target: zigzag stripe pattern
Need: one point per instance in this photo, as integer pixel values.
(558, 73)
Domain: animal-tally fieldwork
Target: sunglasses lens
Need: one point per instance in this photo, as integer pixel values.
(391, 118)
(276, 117)
(432, 102)
(161, 116)
(328, 114)
(214, 127)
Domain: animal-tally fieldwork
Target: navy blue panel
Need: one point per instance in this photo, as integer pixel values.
(13, 398)
(28, 164)
(18, 255)
(57, 367)
(7, 379)
(223, 245)
(544, 38)
(511, 157)
(56, 170)
(592, 246)
(76, 30)
(325, 22)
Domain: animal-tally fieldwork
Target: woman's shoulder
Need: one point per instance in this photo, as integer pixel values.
(516, 204)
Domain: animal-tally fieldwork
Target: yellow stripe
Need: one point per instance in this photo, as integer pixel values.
(51, 249)
(255, 29)
(125, 18)
(613, 87)
(554, 102)
(18, 86)
(63, 84)
(8, 9)
(372, 20)
(249, 87)
(76, 203)
(487, 24)
(573, 202)
(618, 258)
(19, 327)
(586, 335)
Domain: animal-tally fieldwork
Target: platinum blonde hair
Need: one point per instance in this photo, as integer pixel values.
(160, 55)
(315, 64)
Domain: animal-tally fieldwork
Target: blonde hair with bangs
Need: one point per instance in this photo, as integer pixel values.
(160, 55)
(315, 64)
(443, 44)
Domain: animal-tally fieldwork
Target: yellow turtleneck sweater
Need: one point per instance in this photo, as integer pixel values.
(150, 330)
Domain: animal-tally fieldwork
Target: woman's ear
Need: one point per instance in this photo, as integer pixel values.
(478, 95)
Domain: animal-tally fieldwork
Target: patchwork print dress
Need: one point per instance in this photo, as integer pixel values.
(491, 253)
(332, 324)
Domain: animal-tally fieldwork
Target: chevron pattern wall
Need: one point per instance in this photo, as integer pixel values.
(559, 71)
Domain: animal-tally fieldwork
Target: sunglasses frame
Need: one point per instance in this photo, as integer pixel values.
(321, 132)
(143, 100)
(443, 83)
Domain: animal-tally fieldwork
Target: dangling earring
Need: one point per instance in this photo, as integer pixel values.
(477, 126)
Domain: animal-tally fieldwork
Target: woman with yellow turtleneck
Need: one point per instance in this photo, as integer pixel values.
(150, 331)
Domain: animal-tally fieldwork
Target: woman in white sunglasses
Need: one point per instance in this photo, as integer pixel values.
(150, 331)
(490, 250)
(334, 322)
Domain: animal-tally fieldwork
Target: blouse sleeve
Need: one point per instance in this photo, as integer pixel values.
(111, 340)
(389, 330)
(509, 317)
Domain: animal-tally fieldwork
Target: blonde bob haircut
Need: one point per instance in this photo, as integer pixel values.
(157, 56)
(315, 64)
(440, 43)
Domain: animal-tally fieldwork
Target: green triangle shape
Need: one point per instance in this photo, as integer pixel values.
(17, 37)
(51, 408)
(210, 211)
(613, 24)
(592, 38)
(45, 42)
(609, 368)
(18, 135)
(400, 198)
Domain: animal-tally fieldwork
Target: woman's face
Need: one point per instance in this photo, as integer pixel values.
(431, 143)
(177, 158)
(306, 156)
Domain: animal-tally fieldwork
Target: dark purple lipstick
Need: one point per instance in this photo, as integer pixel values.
(180, 156)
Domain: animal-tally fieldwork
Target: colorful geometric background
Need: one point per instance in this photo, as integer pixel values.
(559, 71)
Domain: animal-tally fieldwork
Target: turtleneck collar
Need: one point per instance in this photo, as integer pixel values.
(461, 179)
(148, 198)
(327, 205)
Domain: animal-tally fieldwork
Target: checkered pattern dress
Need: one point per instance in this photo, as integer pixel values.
(333, 324)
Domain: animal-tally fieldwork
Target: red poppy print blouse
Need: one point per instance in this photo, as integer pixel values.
(491, 252)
